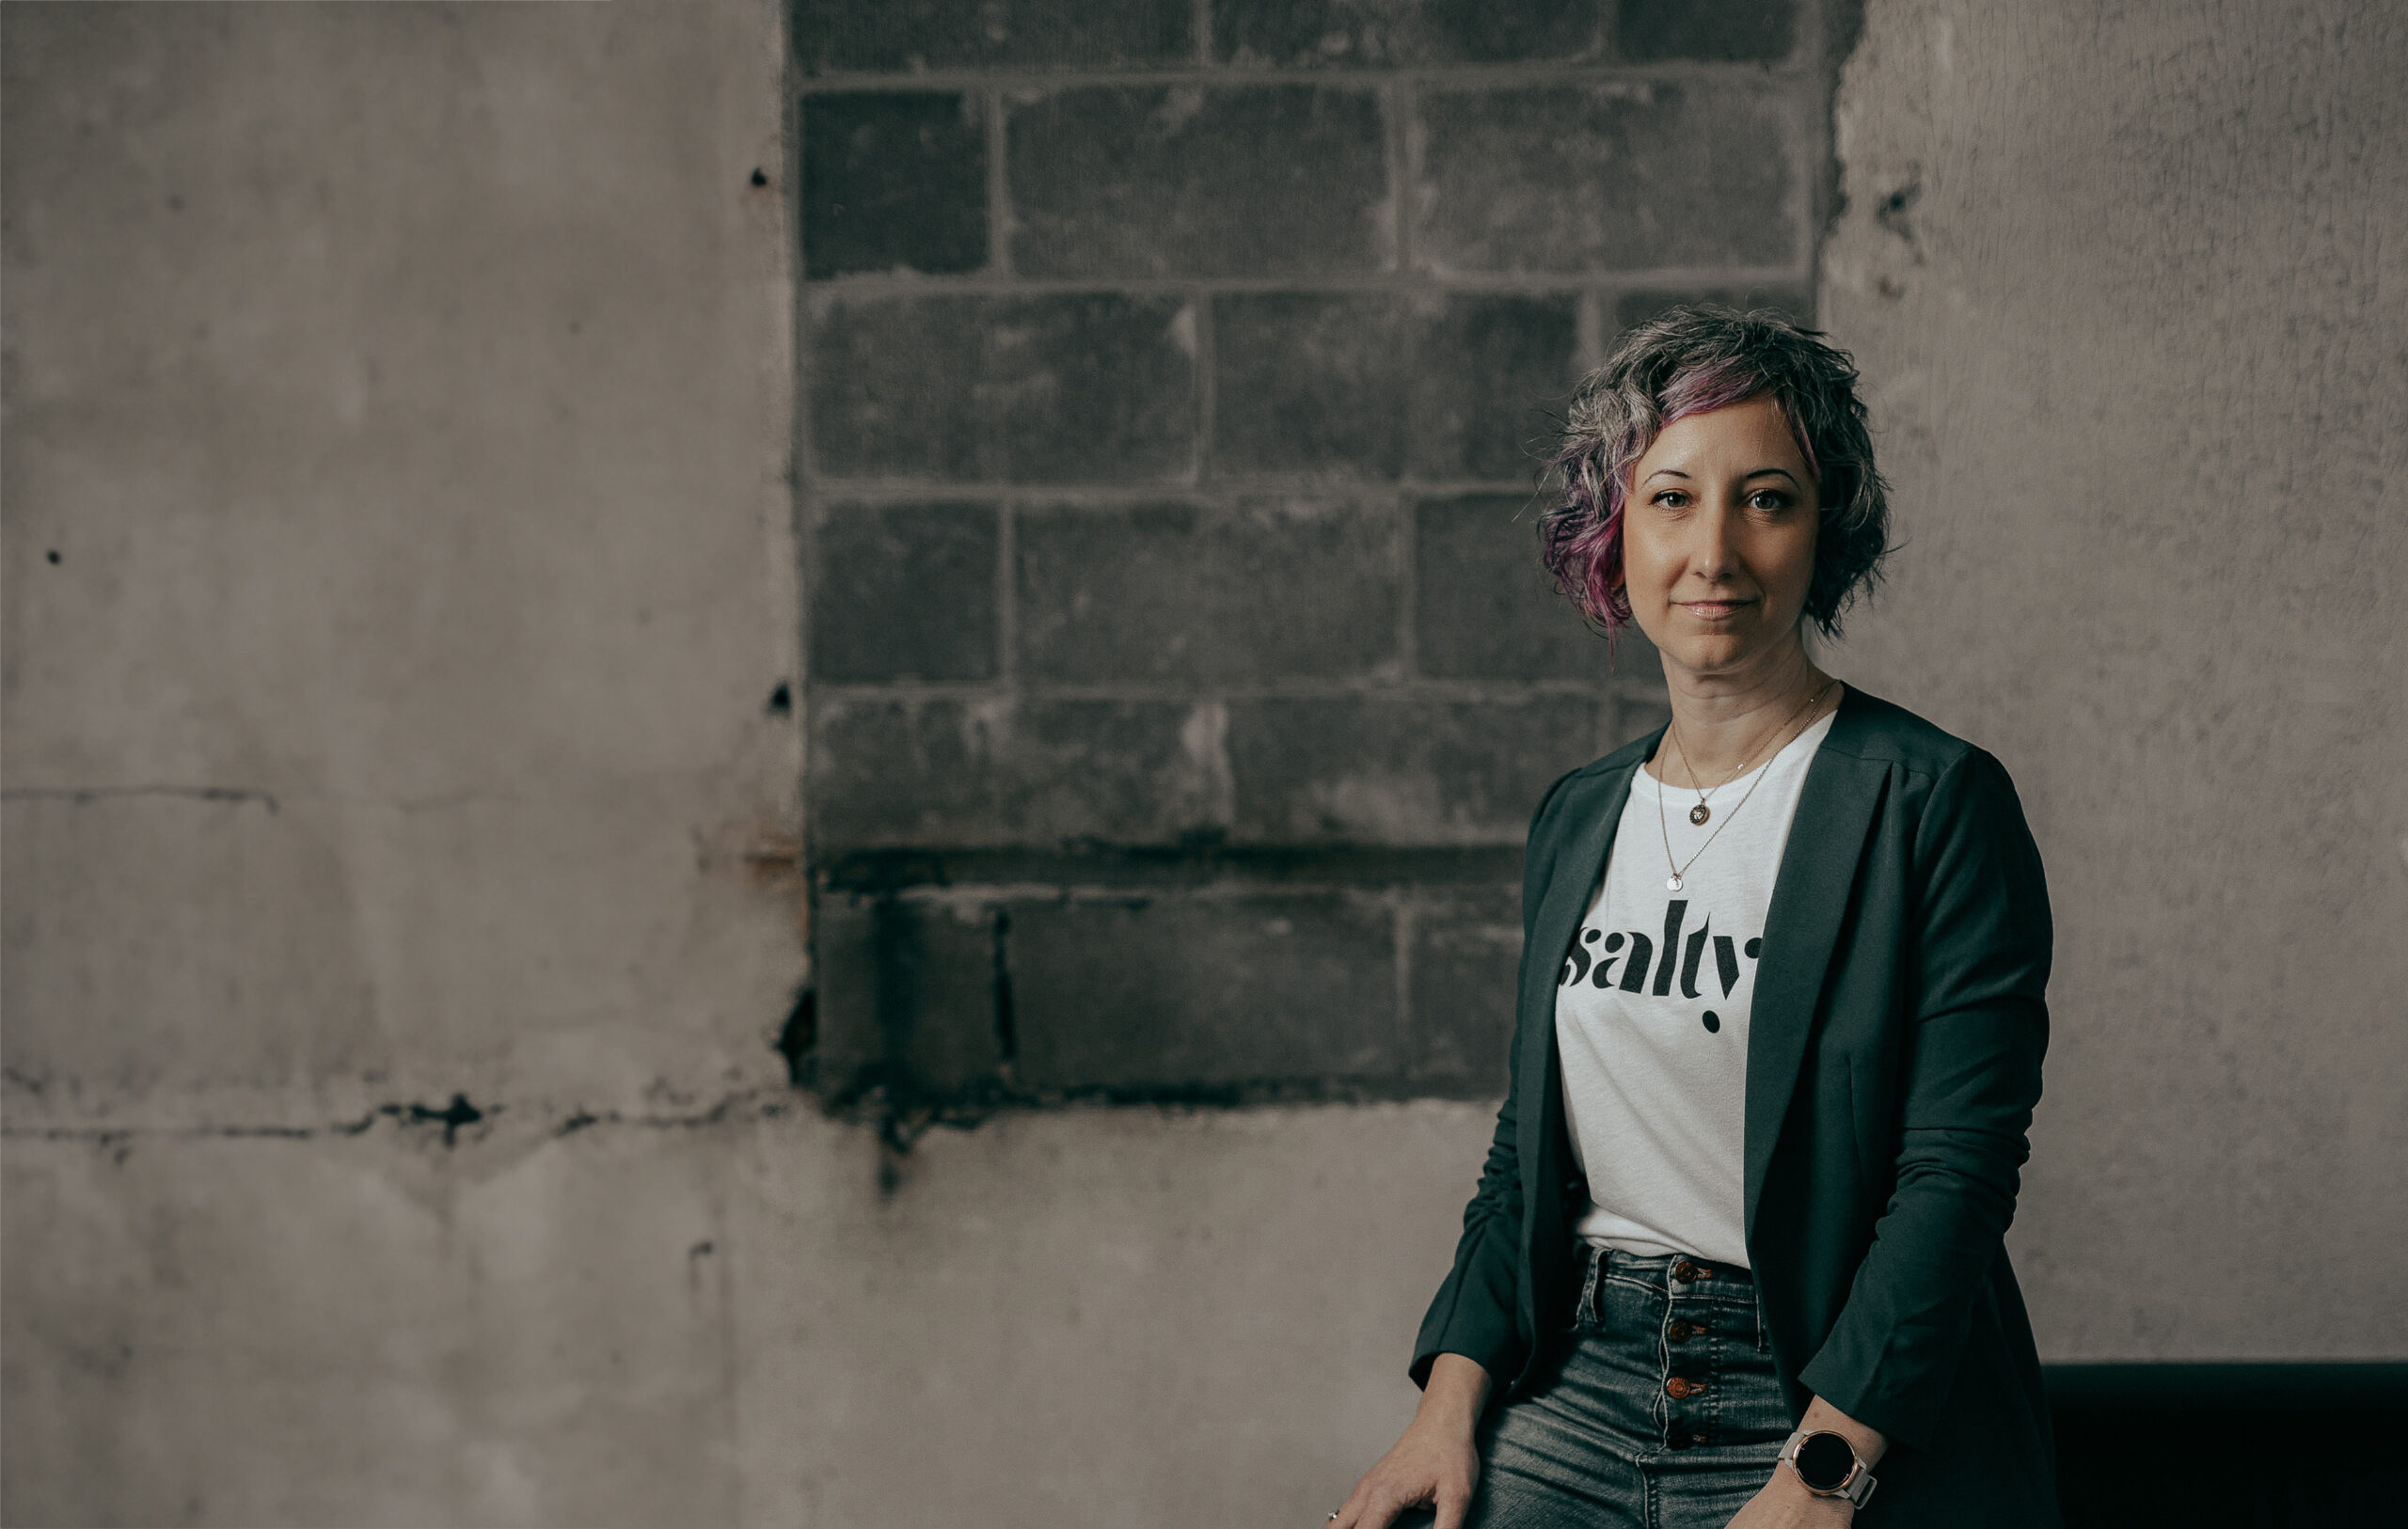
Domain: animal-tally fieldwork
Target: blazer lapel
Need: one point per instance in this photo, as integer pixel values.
(1835, 810)
(1569, 890)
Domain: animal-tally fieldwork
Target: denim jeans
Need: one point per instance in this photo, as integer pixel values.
(1664, 1414)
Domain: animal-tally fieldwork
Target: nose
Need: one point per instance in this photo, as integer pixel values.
(1710, 546)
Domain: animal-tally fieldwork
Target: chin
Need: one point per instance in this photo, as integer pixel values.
(1708, 653)
(1683, 640)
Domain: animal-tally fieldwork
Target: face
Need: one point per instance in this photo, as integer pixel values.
(1718, 542)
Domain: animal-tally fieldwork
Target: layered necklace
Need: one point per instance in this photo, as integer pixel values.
(1701, 813)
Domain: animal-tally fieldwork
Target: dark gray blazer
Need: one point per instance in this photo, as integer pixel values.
(1893, 1059)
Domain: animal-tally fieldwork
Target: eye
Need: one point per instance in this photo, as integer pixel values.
(1770, 499)
(1670, 498)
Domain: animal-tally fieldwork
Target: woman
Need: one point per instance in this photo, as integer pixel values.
(1737, 1258)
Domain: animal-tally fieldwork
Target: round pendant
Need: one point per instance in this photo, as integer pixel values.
(1672, 882)
(1700, 813)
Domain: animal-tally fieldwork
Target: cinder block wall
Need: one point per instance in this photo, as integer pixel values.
(1177, 375)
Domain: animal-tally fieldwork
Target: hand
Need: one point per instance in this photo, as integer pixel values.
(1435, 1463)
(1431, 1466)
(1785, 1504)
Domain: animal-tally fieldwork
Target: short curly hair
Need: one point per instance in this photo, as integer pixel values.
(1687, 360)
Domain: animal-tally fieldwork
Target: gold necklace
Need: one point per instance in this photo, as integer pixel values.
(1674, 881)
(1701, 812)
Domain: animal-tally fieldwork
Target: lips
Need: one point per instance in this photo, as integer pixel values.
(1714, 609)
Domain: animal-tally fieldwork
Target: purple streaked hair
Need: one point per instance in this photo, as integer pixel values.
(1689, 360)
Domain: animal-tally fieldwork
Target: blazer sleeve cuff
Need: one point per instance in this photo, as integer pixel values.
(1500, 1358)
(1476, 1313)
(1852, 1390)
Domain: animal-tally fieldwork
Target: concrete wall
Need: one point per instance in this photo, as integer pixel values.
(396, 566)
(394, 1128)
(2127, 288)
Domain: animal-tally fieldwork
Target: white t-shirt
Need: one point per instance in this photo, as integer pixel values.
(1651, 1013)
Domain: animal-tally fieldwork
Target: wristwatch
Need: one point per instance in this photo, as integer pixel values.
(1828, 1464)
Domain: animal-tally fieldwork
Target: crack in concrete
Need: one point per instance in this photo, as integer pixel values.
(453, 1117)
(274, 802)
(85, 794)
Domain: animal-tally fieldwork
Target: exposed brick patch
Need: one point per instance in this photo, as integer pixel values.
(904, 592)
(1207, 593)
(1071, 388)
(833, 36)
(1180, 672)
(1271, 180)
(1598, 178)
(892, 180)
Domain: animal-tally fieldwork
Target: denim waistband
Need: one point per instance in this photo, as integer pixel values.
(1678, 1273)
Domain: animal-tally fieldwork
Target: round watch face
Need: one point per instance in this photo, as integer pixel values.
(1824, 1460)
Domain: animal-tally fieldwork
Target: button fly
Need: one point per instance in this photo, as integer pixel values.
(1685, 1272)
(1681, 1389)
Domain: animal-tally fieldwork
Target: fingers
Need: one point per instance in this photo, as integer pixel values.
(1454, 1503)
(1369, 1507)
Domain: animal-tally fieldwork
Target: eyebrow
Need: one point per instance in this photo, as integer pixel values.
(1676, 472)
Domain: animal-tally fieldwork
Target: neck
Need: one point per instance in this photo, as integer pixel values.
(1727, 723)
